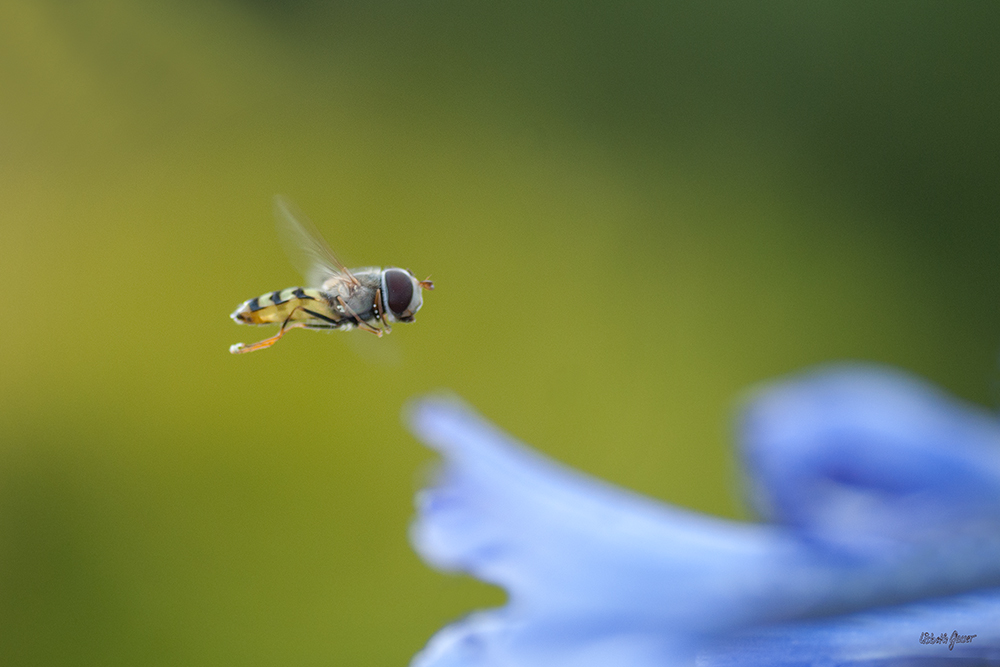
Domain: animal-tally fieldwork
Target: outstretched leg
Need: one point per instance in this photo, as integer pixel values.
(240, 348)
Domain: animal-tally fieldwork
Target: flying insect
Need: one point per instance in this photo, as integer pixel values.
(369, 298)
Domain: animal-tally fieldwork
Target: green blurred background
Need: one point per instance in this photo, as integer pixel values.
(632, 211)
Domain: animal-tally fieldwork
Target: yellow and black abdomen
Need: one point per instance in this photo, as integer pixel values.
(303, 304)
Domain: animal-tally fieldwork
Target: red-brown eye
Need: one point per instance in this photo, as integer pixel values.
(399, 286)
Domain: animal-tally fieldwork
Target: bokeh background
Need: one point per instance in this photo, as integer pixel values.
(633, 212)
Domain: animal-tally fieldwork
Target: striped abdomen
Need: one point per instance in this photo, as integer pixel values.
(275, 307)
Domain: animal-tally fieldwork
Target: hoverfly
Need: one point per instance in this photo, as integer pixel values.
(368, 298)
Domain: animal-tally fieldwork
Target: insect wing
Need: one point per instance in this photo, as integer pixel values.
(310, 254)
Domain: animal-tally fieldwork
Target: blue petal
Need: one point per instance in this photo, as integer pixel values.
(884, 637)
(592, 571)
(866, 455)
(840, 460)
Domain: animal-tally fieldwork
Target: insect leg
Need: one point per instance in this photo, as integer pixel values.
(240, 348)
(380, 311)
(361, 323)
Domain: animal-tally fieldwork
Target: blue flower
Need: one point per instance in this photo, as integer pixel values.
(881, 501)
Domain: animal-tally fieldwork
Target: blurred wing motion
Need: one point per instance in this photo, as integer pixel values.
(310, 254)
(369, 298)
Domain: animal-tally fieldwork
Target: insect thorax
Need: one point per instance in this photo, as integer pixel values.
(360, 299)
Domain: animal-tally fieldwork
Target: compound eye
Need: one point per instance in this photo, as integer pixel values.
(399, 286)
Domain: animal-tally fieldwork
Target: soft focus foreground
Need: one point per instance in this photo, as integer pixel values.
(631, 214)
(881, 499)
